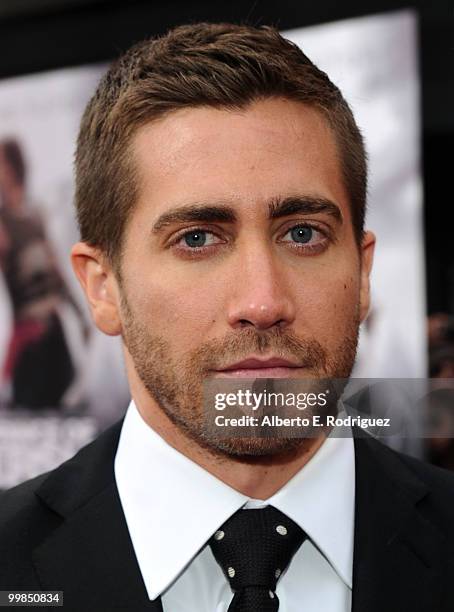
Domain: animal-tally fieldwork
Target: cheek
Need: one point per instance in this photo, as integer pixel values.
(184, 309)
(327, 305)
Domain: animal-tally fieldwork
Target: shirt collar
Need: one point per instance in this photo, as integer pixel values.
(320, 498)
(173, 506)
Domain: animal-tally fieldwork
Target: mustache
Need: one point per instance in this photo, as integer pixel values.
(235, 346)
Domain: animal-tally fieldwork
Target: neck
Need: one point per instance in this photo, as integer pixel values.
(256, 477)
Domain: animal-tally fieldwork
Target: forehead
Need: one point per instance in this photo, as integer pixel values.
(271, 148)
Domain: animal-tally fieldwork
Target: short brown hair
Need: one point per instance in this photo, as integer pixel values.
(217, 65)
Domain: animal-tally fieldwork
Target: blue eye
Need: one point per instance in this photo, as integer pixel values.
(196, 238)
(302, 234)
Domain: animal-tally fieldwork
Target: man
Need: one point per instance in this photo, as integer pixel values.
(221, 186)
(39, 369)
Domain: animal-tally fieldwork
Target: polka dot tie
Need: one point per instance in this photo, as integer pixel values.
(254, 548)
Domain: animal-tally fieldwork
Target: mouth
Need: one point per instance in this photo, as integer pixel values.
(253, 367)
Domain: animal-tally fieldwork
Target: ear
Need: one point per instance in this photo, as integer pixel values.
(100, 286)
(367, 257)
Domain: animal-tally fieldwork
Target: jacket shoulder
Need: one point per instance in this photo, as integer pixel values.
(438, 480)
(24, 523)
(437, 502)
(14, 500)
(33, 510)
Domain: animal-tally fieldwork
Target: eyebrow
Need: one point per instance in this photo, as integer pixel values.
(221, 213)
(305, 205)
(196, 212)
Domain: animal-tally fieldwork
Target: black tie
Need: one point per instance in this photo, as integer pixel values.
(253, 548)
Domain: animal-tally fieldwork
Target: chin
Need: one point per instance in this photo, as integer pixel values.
(250, 448)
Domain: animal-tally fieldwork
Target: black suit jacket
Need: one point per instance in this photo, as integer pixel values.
(65, 530)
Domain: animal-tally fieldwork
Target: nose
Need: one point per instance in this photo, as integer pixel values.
(261, 296)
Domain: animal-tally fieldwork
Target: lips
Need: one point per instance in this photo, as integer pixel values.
(273, 367)
(258, 364)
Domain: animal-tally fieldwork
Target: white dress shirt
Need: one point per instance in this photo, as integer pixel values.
(173, 506)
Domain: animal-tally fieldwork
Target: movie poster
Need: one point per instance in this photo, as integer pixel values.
(62, 381)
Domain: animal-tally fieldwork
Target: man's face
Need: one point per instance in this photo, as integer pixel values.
(8, 182)
(239, 254)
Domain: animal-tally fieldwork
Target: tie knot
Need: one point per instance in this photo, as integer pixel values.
(254, 547)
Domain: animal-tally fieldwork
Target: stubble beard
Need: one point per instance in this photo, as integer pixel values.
(177, 388)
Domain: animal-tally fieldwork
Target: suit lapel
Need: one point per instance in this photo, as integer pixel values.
(398, 553)
(90, 556)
